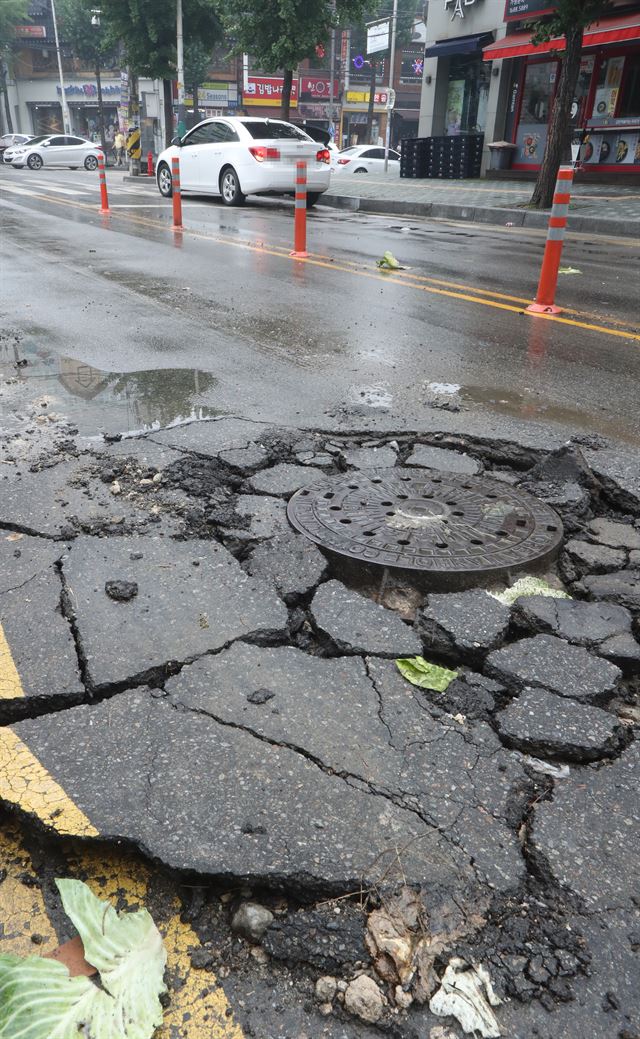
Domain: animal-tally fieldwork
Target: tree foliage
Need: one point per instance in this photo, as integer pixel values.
(146, 30)
(87, 39)
(569, 20)
(12, 12)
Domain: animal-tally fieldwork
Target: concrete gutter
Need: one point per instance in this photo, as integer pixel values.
(479, 214)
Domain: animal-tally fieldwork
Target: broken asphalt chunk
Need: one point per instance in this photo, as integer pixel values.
(179, 583)
(463, 624)
(582, 623)
(293, 563)
(445, 459)
(550, 726)
(550, 662)
(358, 625)
(284, 480)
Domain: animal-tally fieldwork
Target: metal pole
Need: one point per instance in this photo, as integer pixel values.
(66, 121)
(180, 49)
(392, 68)
(332, 69)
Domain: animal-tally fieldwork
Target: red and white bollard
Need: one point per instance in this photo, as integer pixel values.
(176, 193)
(300, 221)
(150, 164)
(104, 198)
(546, 293)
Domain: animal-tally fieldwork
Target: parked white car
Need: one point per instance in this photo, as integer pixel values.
(54, 150)
(241, 156)
(365, 158)
(8, 140)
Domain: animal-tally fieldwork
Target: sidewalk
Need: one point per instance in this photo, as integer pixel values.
(595, 208)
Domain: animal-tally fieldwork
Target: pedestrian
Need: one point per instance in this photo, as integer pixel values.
(118, 148)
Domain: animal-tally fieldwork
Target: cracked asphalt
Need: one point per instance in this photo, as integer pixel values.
(199, 708)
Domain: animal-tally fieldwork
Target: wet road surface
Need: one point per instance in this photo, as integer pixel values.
(130, 324)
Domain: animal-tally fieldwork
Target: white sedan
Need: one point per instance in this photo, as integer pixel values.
(240, 156)
(365, 158)
(54, 150)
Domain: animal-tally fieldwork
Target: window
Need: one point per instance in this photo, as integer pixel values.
(264, 129)
(57, 142)
(630, 100)
(373, 153)
(226, 132)
(608, 87)
(205, 134)
(74, 140)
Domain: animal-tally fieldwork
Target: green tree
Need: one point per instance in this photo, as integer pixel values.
(281, 33)
(12, 12)
(569, 19)
(146, 30)
(197, 62)
(81, 27)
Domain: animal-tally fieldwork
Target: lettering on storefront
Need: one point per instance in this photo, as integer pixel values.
(516, 9)
(267, 90)
(91, 90)
(458, 7)
(361, 97)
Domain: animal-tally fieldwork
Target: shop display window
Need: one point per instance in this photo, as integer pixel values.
(469, 78)
(537, 98)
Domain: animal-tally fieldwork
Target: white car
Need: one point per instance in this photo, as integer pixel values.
(365, 158)
(240, 156)
(54, 150)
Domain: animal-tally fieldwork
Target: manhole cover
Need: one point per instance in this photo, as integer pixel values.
(442, 524)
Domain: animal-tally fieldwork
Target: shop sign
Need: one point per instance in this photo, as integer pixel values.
(216, 95)
(412, 66)
(90, 90)
(361, 97)
(34, 32)
(516, 9)
(458, 7)
(317, 88)
(267, 90)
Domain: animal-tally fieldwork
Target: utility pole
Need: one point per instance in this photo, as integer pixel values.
(332, 67)
(66, 121)
(182, 115)
(392, 67)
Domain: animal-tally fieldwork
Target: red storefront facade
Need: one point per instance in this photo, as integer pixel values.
(606, 110)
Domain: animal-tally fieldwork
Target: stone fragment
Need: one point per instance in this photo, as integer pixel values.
(556, 665)
(293, 563)
(541, 723)
(622, 650)
(623, 588)
(463, 623)
(402, 999)
(371, 457)
(284, 480)
(245, 458)
(358, 625)
(617, 535)
(587, 838)
(582, 623)
(445, 459)
(320, 937)
(326, 988)
(121, 591)
(595, 559)
(267, 517)
(193, 597)
(251, 921)
(364, 999)
(472, 695)
(566, 463)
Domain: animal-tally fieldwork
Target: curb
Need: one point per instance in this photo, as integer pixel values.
(478, 214)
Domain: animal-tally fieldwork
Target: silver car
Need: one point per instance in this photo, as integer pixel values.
(54, 150)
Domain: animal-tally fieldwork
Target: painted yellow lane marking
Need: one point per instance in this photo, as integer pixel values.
(24, 782)
(10, 684)
(198, 1009)
(466, 296)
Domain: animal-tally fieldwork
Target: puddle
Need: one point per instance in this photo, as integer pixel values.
(98, 401)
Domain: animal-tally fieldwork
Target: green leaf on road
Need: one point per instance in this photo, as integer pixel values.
(528, 586)
(420, 672)
(569, 270)
(39, 999)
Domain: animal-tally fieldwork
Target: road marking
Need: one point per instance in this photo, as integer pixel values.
(10, 684)
(63, 191)
(22, 909)
(467, 297)
(25, 783)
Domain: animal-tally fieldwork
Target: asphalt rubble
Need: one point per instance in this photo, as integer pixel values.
(225, 699)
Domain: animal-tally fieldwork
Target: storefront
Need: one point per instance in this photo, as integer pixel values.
(355, 114)
(605, 114)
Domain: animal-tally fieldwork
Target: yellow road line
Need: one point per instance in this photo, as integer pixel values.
(22, 909)
(10, 684)
(466, 296)
(25, 783)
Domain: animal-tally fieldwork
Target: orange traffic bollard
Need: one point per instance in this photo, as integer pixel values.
(300, 220)
(150, 164)
(104, 198)
(546, 293)
(177, 195)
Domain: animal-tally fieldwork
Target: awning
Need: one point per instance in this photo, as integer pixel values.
(459, 45)
(598, 34)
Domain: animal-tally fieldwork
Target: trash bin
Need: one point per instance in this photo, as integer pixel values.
(501, 154)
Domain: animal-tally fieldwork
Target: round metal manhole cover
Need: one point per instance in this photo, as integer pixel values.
(437, 523)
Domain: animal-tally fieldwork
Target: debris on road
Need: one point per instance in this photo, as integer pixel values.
(364, 999)
(388, 262)
(467, 994)
(528, 586)
(420, 672)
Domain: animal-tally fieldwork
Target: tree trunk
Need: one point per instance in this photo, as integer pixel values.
(5, 90)
(372, 96)
(167, 100)
(286, 93)
(103, 138)
(558, 147)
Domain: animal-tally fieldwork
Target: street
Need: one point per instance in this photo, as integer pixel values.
(200, 705)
